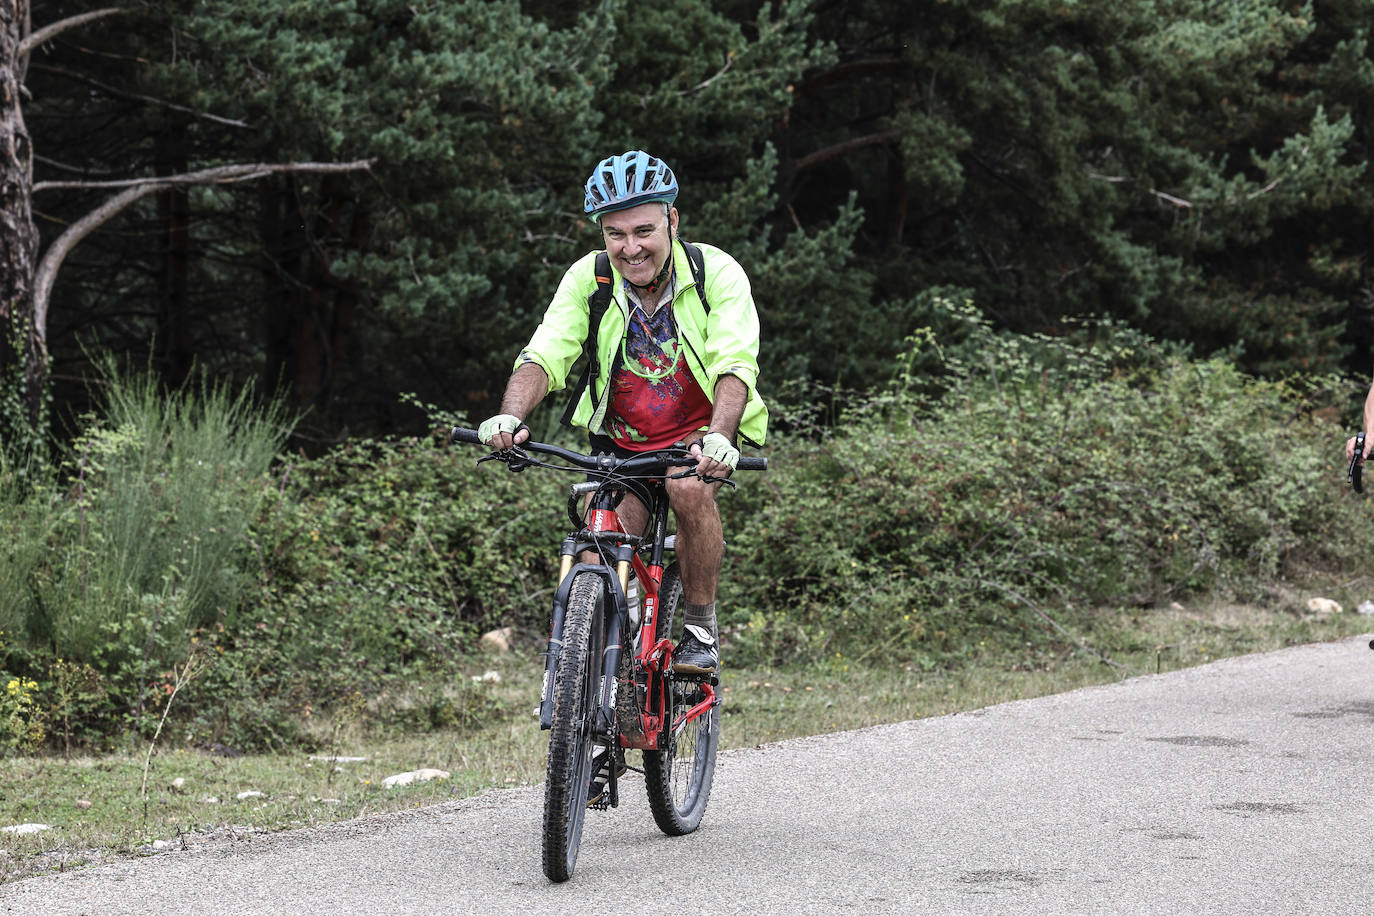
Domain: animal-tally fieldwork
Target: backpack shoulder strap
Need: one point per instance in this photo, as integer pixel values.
(698, 264)
(597, 303)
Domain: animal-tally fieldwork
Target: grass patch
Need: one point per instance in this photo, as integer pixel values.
(762, 705)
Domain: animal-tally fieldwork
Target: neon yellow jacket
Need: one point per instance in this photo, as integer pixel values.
(725, 342)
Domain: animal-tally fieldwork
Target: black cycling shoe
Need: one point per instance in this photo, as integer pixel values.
(597, 793)
(697, 655)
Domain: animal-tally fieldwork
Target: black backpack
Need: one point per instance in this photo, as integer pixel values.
(600, 300)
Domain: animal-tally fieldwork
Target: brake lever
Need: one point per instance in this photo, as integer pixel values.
(692, 473)
(514, 458)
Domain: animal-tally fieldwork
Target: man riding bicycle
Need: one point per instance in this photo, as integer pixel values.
(680, 370)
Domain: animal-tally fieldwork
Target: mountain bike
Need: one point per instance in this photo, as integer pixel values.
(608, 683)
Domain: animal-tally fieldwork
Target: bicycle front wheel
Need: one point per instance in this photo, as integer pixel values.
(572, 738)
(678, 775)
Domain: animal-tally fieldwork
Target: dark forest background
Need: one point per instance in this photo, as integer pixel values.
(1197, 169)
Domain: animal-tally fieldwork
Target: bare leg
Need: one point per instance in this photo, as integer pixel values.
(700, 538)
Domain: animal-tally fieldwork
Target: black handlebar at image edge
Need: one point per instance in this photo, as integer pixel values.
(459, 434)
(1355, 475)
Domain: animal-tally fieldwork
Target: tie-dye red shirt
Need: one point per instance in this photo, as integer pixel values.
(655, 401)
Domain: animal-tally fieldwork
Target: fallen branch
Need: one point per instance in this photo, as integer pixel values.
(52, 30)
(115, 92)
(136, 189)
(1176, 201)
(848, 146)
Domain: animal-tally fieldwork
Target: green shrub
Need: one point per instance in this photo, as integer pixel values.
(1050, 475)
(377, 565)
(145, 541)
(1001, 490)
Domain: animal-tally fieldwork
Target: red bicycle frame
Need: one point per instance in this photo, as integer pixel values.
(650, 666)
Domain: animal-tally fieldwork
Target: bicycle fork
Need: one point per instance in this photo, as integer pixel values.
(603, 717)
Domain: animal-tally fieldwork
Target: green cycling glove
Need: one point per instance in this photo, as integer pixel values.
(718, 448)
(501, 423)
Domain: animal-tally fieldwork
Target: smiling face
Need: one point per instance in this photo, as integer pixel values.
(639, 240)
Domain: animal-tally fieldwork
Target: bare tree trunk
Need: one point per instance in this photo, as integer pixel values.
(314, 324)
(26, 282)
(327, 328)
(275, 327)
(898, 195)
(283, 242)
(347, 303)
(307, 326)
(22, 357)
(175, 351)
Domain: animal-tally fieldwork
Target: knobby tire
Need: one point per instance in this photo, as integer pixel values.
(678, 776)
(571, 739)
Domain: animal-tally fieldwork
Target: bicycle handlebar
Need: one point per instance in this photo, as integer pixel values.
(459, 434)
(648, 462)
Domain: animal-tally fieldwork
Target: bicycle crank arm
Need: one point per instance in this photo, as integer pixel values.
(708, 701)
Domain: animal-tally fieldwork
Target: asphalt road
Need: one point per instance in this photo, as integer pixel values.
(1239, 787)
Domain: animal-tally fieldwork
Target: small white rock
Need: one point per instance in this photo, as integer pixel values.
(209, 800)
(1175, 606)
(487, 677)
(83, 803)
(26, 828)
(405, 779)
(497, 641)
(1323, 606)
(251, 793)
(178, 784)
(1365, 607)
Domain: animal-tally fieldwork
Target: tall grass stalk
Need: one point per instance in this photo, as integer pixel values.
(184, 674)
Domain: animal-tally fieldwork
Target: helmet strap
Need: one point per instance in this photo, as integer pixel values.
(653, 285)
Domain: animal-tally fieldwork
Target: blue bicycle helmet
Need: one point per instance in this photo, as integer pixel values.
(628, 180)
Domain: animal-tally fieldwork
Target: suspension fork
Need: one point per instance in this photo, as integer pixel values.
(617, 614)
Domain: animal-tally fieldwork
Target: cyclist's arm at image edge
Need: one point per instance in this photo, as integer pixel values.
(1369, 421)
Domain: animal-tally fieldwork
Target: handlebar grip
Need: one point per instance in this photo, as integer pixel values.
(751, 464)
(459, 434)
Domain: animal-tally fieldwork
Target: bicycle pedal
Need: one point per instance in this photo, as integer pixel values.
(711, 679)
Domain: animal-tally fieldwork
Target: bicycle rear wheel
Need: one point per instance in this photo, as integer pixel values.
(678, 776)
(571, 739)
